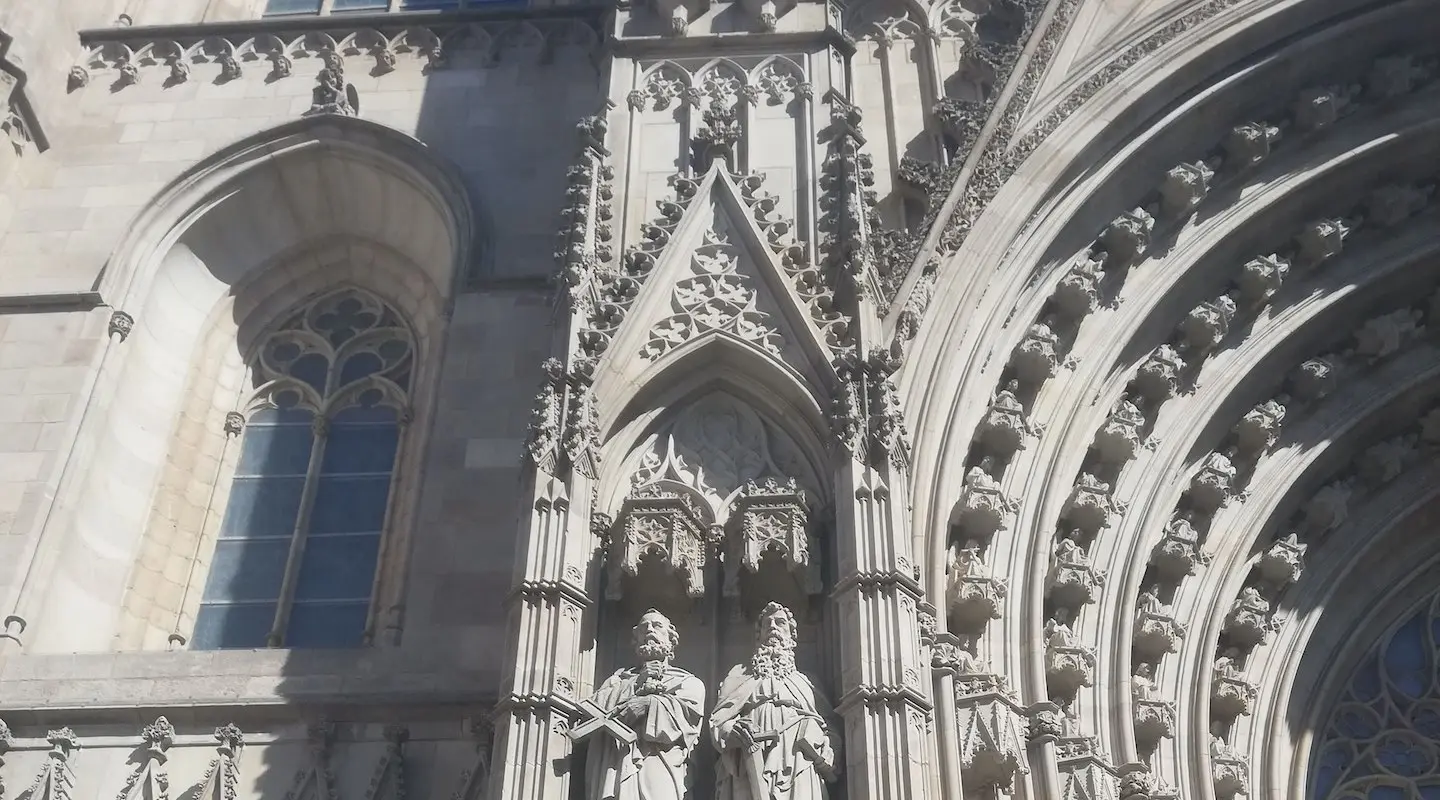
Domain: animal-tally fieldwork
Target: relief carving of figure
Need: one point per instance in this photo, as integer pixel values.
(644, 722)
(772, 725)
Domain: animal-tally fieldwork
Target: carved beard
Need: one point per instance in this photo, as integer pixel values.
(774, 657)
(655, 649)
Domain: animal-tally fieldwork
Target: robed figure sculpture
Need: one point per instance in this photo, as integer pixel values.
(643, 722)
(773, 728)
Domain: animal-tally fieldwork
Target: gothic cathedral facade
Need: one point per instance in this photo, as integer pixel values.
(719, 400)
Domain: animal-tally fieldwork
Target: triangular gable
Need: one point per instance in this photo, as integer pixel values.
(222, 778)
(721, 276)
(475, 778)
(316, 781)
(56, 780)
(388, 782)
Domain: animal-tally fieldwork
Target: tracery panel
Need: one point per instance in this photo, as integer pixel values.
(1382, 740)
(297, 552)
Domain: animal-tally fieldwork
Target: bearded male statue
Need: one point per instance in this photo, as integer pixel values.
(643, 722)
(773, 728)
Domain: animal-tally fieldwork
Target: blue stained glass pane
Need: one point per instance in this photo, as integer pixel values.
(247, 569)
(417, 5)
(359, 366)
(351, 449)
(350, 505)
(262, 507)
(326, 624)
(356, 5)
(337, 567)
(371, 413)
(222, 626)
(1366, 684)
(1407, 661)
(292, 7)
(313, 369)
(275, 450)
(1387, 793)
(1430, 792)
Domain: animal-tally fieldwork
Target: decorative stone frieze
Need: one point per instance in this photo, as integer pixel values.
(1072, 581)
(1157, 632)
(1283, 561)
(974, 595)
(1230, 694)
(1249, 622)
(1178, 554)
(1258, 430)
(983, 509)
(1158, 378)
(1122, 433)
(1090, 507)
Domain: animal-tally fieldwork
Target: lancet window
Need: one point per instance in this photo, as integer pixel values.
(296, 556)
(1382, 741)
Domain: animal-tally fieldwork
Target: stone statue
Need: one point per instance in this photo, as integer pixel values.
(772, 726)
(643, 722)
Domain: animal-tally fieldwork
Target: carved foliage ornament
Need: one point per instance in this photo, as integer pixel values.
(56, 780)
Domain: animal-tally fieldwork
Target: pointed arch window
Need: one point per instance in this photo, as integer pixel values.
(1382, 740)
(296, 557)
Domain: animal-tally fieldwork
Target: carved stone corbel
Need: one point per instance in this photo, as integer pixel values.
(1328, 508)
(1158, 379)
(1037, 357)
(1315, 378)
(974, 596)
(1090, 507)
(1078, 293)
(1154, 718)
(1323, 106)
(1072, 581)
(1261, 277)
(1005, 428)
(1213, 485)
(983, 507)
(1229, 770)
(1157, 632)
(1185, 187)
(1121, 434)
(1249, 622)
(1128, 237)
(1208, 323)
(1385, 461)
(1178, 554)
(1321, 240)
(1249, 144)
(1230, 694)
(679, 13)
(1069, 666)
(1283, 561)
(1257, 431)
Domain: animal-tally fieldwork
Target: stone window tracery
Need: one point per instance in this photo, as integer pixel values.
(1382, 740)
(297, 551)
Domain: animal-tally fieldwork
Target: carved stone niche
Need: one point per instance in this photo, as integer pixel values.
(1261, 277)
(983, 507)
(1249, 622)
(1090, 506)
(770, 517)
(1127, 237)
(1154, 718)
(1322, 107)
(1315, 378)
(1185, 187)
(1212, 485)
(666, 527)
(1037, 358)
(1178, 554)
(1249, 144)
(1328, 508)
(1078, 293)
(1208, 323)
(974, 596)
(1283, 561)
(1158, 379)
(1005, 427)
(1083, 772)
(1385, 461)
(1230, 694)
(1383, 335)
(992, 728)
(1321, 240)
(1073, 581)
(1228, 769)
(1156, 630)
(1068, 665)
(1121, 434)
(1257, 431)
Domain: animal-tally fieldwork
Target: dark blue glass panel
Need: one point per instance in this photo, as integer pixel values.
(225, 626)
(1387, 793)
(292, 7)
(351, 448)
(350, 505)
(337, 567)
(1407, 661)
(1366, 684)
(262, 507)
(359, 366)
(357, 5)
(247, 569)
(275, 450)
(366, 412)
(1430, 792)
(313, 369)
(419, 5)
(326, 624)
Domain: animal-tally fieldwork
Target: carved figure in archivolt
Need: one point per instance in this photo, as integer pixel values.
(774, 729)
(643, 722)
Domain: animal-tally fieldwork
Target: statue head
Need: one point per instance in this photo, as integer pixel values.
(775, 635)
(655, 637)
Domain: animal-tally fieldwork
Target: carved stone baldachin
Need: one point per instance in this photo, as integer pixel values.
(973, 594)
(992, 730)
(1156, 632)
(1178, 554)
(1258, 430)
(1072, 580)
(1208, 323)
(1090, 507)
(1231, 695)
(1037, 357)
(1212, 486)
(1250, 621)
(1158, 378)
(984, 509)
(1261, 277)
(1121, 435)
(1127, 238)
(1185, 187)
(1283, 561)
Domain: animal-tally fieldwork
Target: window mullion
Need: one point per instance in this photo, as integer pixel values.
(302, 528)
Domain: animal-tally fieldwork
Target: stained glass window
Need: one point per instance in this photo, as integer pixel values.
(1382, 741)
(298, 546)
